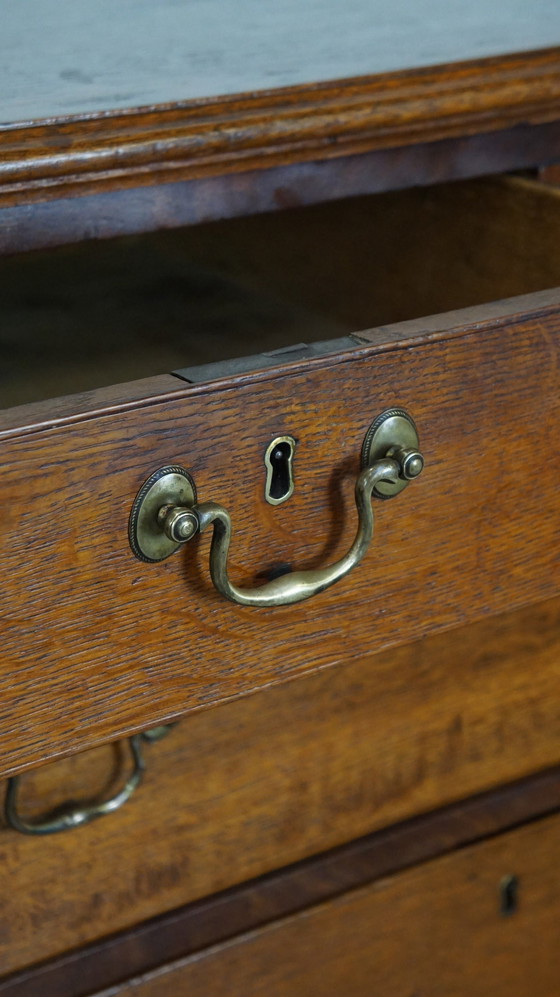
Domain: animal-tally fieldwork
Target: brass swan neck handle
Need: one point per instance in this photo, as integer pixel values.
(166, 515)
(297, 585)
(73, 815)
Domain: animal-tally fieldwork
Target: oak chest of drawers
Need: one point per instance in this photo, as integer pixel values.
(356, 288)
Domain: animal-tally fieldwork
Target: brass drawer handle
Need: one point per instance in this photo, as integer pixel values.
(166, 515)
(74, 816)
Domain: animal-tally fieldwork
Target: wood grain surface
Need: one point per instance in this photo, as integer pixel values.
(190, 202)
(86, 153)
(196, 926)
(437, 929)
(96, 644)
(235, 792)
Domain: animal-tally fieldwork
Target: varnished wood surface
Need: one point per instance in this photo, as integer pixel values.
(213, 920)
(190, 202)
(86, 153)
(246, 788)
(437, 929)
(118, 645)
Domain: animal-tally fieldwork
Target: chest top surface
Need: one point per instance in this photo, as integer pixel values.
(74, 57)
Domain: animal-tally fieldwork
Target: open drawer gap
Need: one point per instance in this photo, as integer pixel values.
(105, 312)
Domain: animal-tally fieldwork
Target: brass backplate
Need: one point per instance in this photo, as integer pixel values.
(169, 486)
(394, 428)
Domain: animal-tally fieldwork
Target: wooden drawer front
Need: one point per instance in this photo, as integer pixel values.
(96, 643)
(252, 786)
(438, 929)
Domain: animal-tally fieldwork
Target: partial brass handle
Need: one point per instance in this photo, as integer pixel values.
(167, 515)
(75, 816)
(298, 585)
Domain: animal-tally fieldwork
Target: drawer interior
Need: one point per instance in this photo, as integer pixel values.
(83, 317)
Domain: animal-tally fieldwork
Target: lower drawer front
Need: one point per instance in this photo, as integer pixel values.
(252, 786)
(482, 921)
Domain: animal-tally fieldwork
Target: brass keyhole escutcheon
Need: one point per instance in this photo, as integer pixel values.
(279, 461)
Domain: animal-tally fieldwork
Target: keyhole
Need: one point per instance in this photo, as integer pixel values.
(279, 471)
(509, 888)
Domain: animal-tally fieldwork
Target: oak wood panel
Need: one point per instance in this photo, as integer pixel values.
(237, 791)
(81, 154)
(190, 202)
(96, 644)
(212, 920)
(96, 401)
(436, 929)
